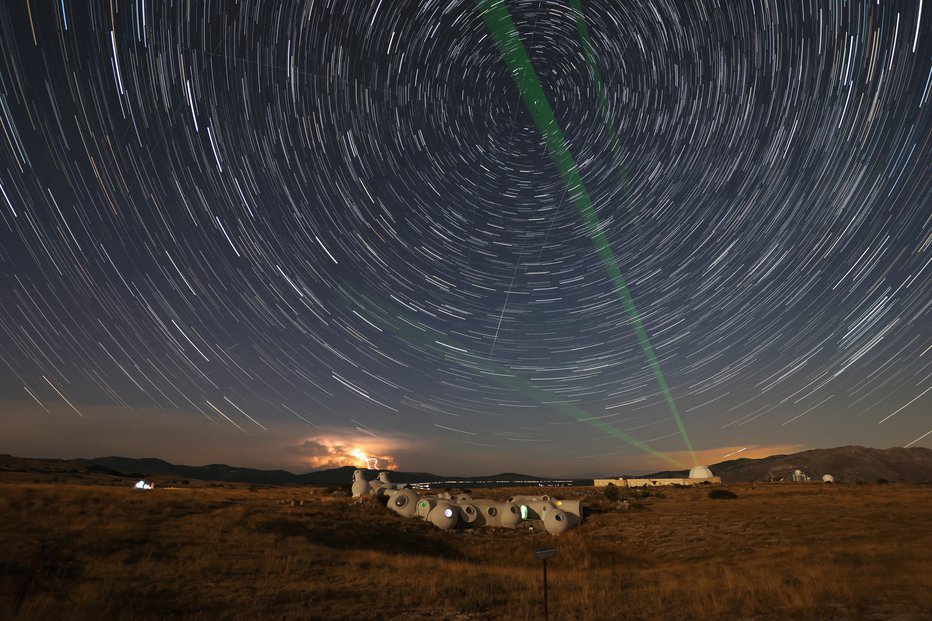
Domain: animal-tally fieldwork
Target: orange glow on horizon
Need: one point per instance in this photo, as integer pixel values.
(727, 453)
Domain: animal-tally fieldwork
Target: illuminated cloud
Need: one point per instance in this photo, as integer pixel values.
(332, 453)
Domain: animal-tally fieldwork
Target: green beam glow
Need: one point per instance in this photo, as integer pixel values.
(499, 22)
(589, 52)
(406, 326)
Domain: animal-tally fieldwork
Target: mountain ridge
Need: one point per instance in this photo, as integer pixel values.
(342, 475)
(845, 464)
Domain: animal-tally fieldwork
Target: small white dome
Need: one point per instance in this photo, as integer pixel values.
(444, 516)
(700, 472)
(827, 478)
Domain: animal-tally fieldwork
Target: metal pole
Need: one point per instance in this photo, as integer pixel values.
(546, 614)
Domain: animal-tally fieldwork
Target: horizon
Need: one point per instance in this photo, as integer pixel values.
(527, 235)
(546, 476)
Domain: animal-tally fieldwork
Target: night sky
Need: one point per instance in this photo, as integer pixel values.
(298, 234)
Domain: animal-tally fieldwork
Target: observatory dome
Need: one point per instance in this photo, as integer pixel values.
(827, 478)
(444, 515)
(700, 472)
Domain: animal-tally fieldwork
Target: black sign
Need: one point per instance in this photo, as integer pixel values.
(545, 553)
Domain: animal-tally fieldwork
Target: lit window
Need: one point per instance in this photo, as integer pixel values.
(523, 512)
(448, 512)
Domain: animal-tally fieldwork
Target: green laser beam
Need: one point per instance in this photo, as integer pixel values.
(589, 52)
(499, 22)
(417, 333)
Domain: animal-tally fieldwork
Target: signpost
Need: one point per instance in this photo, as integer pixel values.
(543, 554)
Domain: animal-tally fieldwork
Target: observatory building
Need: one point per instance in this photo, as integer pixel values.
(698, 475)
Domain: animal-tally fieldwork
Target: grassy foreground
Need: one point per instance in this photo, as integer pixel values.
(98, 550)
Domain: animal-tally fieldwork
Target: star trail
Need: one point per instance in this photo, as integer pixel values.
(556, 236)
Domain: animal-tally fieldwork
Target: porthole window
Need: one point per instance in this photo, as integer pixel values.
(448, 512)
(558, 517)
(401, 500)
(492, 511)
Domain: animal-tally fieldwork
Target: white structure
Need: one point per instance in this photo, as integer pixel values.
(698, 475)
(446, 511)
(380, 487)
(799, 476)
(144, 485)
(827, 478)
(700, 472)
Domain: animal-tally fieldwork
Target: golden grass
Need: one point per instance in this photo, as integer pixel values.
(778, 551)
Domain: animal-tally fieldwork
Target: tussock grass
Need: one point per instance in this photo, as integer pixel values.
(775, 552)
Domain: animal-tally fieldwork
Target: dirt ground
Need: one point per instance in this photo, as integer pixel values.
(89, 547)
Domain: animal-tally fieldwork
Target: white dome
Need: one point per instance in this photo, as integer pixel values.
(827, 478)
(444, 516)
(700, 472)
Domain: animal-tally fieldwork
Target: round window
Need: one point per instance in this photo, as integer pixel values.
(448, 512)
(401, 501)
(492, 511)
(558, 517)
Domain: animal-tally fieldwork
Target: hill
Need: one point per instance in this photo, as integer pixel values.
(148, 467)
(845, 463)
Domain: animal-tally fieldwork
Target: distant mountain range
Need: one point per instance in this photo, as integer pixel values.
(148, 467)
(845, 463)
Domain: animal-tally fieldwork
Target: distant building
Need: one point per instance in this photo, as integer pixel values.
(698, 475)
(799, 476)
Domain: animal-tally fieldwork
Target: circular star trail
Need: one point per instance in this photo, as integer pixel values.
(345, 215)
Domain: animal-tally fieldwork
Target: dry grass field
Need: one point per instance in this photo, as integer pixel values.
(91, 548)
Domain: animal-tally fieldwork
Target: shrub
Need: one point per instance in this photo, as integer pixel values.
(611, 492)
(722, 494)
